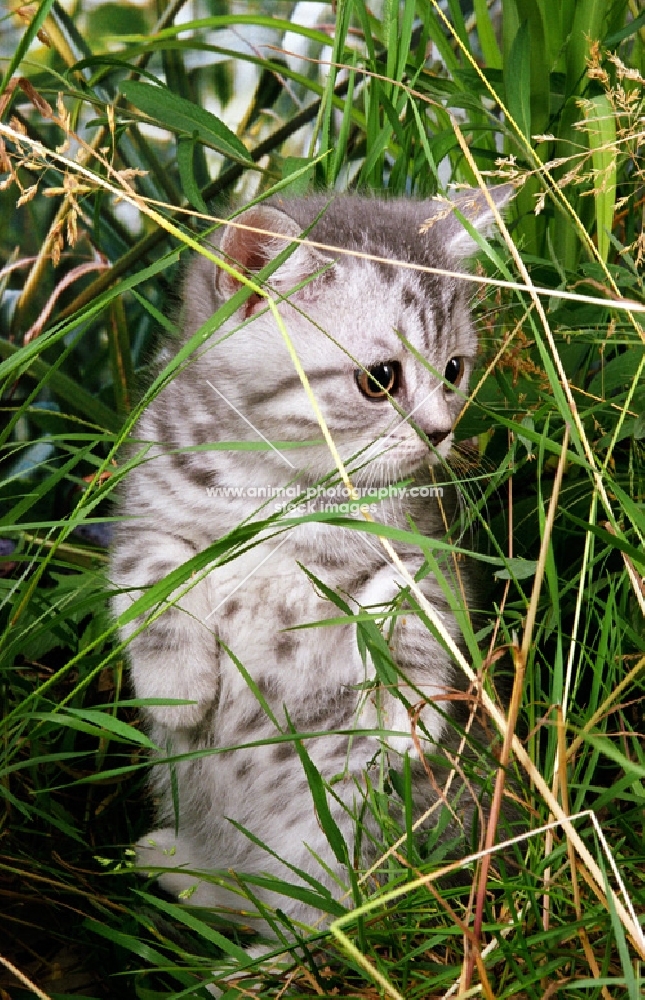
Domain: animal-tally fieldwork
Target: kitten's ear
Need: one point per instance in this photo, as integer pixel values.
(474, 207)
(266, 234)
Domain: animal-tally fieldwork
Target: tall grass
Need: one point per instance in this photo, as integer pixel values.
(97, 210)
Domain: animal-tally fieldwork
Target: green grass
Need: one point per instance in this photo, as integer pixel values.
(557, 411)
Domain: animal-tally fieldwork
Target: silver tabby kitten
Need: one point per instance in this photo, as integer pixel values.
(390, 409)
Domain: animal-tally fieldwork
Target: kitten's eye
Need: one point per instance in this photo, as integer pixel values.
(454, 371)
(379, 380)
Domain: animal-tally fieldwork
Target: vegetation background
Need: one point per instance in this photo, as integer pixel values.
(123, 125)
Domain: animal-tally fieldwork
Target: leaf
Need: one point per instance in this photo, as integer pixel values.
(588, 19)
(226, 20)
(639, 427)
(95, 724)
(21, 360)
(517, 80)
(36, 492)
(252, 685)
(183, 914)
(629, 29)
(298, 872)
(601, 134)
(113, 725)
(325, 902)
(298, 171)
(486, 34)
(516, 569)
(319, 795)
(47, 759)
(606, 747)
(190, 187)
(128, 941)
(72, 392)
(613, 541)
(528, 423)
(180, 115)
(617, 373)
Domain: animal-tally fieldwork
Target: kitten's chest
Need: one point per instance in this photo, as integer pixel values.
(259, 601)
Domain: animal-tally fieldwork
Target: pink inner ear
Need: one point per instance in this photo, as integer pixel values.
(248, 250)
(250, 254)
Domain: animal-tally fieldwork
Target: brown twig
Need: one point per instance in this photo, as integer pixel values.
(520, 657)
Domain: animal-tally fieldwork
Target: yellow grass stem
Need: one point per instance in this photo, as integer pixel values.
(23, 979)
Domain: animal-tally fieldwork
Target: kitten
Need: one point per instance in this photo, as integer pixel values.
(390, 409)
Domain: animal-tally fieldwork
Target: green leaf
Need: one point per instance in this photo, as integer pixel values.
(639, 427)
(301, 170)
(601, 135)
(183, 915)
(71, 391)
(113, 725)
(613, 541)
(588, 19)
(26, 357)
(517, 569)
(190, 187)
(320, 901)
(487, 38)
(319, 795)
(128, 941)
(95, 724)
(630, 29)
(40, 490)
(180, 115)
(226, 20)
(610, 750)
(45, 760)
(517, 80)
(617, 373)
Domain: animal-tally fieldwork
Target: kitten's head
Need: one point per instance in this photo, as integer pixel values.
(388, 349)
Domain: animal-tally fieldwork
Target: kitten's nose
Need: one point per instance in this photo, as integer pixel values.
(436, 437)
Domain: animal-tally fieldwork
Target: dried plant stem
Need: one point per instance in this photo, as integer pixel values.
(559, 766)
(23, 979)
(564, 382)
(577, 903)
(85, 154)
(520, 657)
(495, 809)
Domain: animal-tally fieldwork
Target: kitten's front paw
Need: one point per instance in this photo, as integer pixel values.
(164, 849)
(156, 850)
(193, 679)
